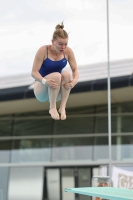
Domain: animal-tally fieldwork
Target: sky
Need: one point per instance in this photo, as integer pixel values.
(29, 24)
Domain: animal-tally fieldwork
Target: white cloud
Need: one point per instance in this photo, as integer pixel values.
(27, 25)
(75, 4)
(9, 16)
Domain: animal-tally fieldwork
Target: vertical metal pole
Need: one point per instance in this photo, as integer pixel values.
(109, 96)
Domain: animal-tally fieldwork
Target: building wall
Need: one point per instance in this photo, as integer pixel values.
(78, 145)
(83, 137)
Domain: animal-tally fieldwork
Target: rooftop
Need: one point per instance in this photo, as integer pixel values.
(16, 92)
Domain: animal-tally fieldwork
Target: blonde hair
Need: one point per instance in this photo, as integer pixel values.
(59, 32)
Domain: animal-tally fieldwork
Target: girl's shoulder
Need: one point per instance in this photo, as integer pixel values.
(43, 48)
(42, 51)
(68, 51)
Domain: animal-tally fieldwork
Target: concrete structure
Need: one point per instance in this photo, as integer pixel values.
(41, 155)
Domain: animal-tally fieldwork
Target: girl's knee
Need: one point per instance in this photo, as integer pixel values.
(56, 76)
(66, 76)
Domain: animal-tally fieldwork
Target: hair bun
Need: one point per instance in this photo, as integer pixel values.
(60, 32)
(58, 26)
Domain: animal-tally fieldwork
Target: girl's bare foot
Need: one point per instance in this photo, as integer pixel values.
(62, 113)
(54, 114)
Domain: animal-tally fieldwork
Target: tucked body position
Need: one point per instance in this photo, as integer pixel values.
(52, 82)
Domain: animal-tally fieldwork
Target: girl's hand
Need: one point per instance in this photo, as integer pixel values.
(52, 84)
(70, 84)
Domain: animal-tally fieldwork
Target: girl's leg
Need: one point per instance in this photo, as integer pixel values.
(66, 77)
(41, 91)
(53, 94)
(44, 93)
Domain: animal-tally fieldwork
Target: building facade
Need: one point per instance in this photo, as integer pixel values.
(39, 156)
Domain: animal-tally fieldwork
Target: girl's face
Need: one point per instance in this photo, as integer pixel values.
(60, 44)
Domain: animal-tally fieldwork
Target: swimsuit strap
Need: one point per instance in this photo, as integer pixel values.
(64, 54)
(47, 50)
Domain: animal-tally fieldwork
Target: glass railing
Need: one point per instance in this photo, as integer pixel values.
(76, 148)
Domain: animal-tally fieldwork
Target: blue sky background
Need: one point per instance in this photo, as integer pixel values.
(26, 25)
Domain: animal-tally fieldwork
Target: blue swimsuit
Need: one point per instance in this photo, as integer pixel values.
(50, 66)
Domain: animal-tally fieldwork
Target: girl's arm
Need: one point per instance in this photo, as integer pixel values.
(38, 60)
(73, 65)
